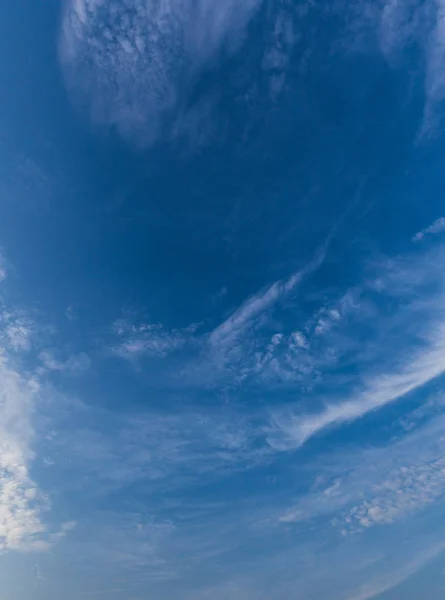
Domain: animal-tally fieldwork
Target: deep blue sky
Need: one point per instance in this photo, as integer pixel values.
(221, 299)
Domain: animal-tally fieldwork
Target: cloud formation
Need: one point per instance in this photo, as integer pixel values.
(23, 506)
(387, 582)
(437, 227)
(375, 487)
(378, 391)
(131, 63)
(20, 506)
(149, 340)
(420, 26)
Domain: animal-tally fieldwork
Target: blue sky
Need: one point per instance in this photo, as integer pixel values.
(222, 291)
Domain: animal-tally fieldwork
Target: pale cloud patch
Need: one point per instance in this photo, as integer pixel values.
(437, 227)
(228, 332)
(75, 364)
(18, 332)
(376, 487)
(388, 581)
(168, 450)
(149, 340)
(405, 24)
(3, 271)
(128, 62)
(21, 505)
(403, 492)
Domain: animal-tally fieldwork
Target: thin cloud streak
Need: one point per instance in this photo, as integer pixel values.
(383, 389)
(437, 227)
(392, 580)
(230, 329)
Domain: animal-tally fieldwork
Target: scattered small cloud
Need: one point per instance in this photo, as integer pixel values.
(437, 227)
(150, 340)
(375, 487)
(24, 508)
(21, 503)
(292, 431)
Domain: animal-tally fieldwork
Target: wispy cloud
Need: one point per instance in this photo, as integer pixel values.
(74, 364)
(437, 227)
(128, 61)
(416, 24)
(168, 449)
(378, 391)
(151, 340)
(376, 486)
(232, 327)
(391, 580)
(359, 330)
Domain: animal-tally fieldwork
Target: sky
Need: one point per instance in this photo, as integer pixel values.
(222, 299)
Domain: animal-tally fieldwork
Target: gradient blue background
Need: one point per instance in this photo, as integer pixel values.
(222, 296)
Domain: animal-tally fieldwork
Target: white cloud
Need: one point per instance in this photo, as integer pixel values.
(15, 329)
(437, 227)
(18, 333)
(147, 339)
(254, 306)
(404, 24)
(22, 505)
(373, 487)
(75, 364)
(298, 340)
(231, 328)
(435, 79)
(21, 526)
(395, 352)
(378, 391)
(127, 60)
(403, 492)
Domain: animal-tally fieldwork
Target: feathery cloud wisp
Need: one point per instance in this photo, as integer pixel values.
(232, 327)
(380, 390)
(128, 61)
(437, 227)
(389, 581)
